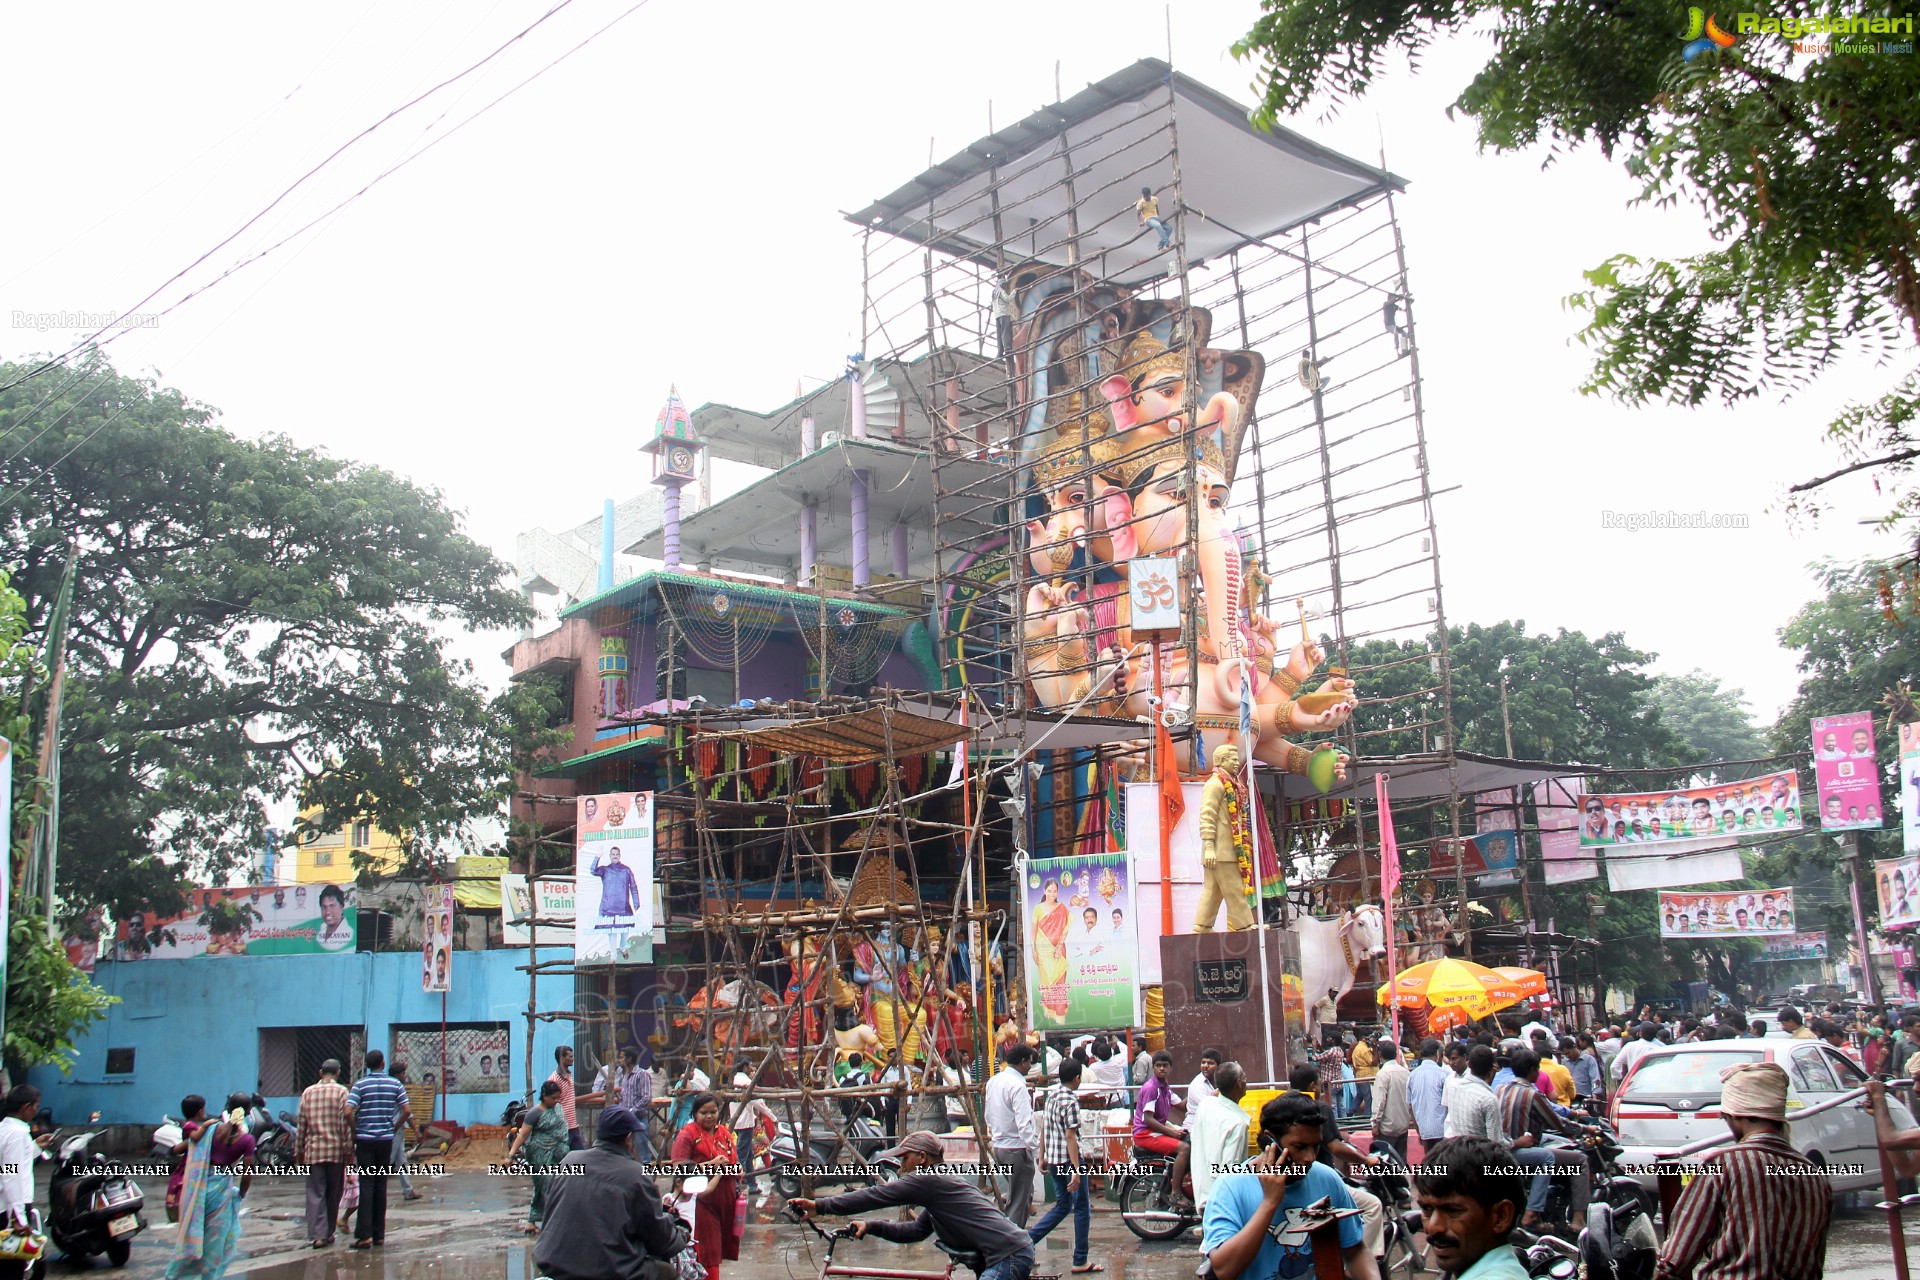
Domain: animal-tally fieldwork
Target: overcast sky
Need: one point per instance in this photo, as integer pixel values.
(501, 318)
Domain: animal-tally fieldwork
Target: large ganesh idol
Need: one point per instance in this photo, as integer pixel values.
(1110, 483)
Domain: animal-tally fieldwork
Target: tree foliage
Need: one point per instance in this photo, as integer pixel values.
(49, 1002)
(250, 617)
(1802, 170)
(534, 712)
(1709, 722)
(1569, 698)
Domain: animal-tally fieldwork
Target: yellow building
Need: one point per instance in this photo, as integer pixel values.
(320, 857)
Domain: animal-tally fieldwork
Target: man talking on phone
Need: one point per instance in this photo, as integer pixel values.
(1258, 1224)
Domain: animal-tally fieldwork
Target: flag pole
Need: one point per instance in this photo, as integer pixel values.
(1254, 826)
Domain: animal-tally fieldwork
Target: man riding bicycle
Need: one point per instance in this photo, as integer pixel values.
(957, 1214)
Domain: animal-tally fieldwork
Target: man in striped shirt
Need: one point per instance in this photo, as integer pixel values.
(1759, 1210)
(377, 1109)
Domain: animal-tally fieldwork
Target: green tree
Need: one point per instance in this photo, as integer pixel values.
(1709, 722)
(534, 712)
(251, 617)
(1801, 168)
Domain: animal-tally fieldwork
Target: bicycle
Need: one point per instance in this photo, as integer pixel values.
(974, 1262)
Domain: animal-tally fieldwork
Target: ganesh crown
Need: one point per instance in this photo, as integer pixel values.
(1147, 358)
(1129, 466)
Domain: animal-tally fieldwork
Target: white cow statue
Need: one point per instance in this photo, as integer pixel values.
(1330, 950)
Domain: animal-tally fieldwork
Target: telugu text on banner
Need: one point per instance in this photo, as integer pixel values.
(255, 920)
(1845, 773)
(1081, 937)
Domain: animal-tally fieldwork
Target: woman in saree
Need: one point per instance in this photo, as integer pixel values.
(707, 1143)
(1050, 922)
(209, 1192)
(542, 1139)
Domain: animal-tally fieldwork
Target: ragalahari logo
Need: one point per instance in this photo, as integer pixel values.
(1703, 33)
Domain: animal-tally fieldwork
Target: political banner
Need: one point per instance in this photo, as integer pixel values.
(613, 878)
(1491, 857)
(466, 1058)
(1896, 881)
(1769, 804)
(1910, 787)
(1740, 913)
(1801, 946)
(255, 920)
(1845, 773)
(1081, 943)
(436, 947)
(553, 897)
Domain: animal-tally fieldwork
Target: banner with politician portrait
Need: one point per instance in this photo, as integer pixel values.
(1896, 883)
(613, 878)
(1755, 806)
(1081, 943)
(250, 920)
(1741, 913)
(1845, 772)
(436, 947)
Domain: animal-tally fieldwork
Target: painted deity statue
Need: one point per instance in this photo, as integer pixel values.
(884, 967)
(1112, 479)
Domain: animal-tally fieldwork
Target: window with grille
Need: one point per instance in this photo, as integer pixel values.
(120, 1062)
(476, 1058)
(290, 1057)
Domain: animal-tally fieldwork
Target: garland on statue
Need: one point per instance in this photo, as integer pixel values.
(1242, 847)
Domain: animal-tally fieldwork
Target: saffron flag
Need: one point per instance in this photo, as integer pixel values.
(1172, 805)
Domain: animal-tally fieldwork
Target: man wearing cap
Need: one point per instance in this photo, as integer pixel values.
(604, 1218)
(1759, 1207)
(325, 1144)
(956, 1213)
(1392, 1108)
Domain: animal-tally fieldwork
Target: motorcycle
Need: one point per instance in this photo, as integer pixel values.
(825, 1150)
(277, 1145)
(91, 1207)
(168, 1146)
(1545, 1257)
(1620, 1212)
(1140, 1206)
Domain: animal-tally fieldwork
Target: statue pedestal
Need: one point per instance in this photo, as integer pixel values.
(1215, 997)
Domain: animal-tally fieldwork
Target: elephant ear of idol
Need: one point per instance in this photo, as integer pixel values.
(1243, 371)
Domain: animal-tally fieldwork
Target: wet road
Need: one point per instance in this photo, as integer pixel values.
(467, 1228)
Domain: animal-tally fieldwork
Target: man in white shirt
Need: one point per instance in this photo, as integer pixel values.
(1392, 1107)
(1011, 1131)
(18, 1151)
(1219, 1129)
(1634, 1051)
(1203, 1086)
(1472, 1109)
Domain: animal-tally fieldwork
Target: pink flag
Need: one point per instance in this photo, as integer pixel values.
(1389, 881)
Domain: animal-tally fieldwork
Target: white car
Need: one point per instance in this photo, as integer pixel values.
(1672, 1100)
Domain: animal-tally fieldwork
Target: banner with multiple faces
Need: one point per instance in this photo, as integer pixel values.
(1845, 772)
(1738, 913)
(1896, 883)
(1082, 942)
(1765, 805)
(613, 878)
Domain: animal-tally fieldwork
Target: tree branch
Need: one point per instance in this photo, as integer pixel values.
(1904, 455)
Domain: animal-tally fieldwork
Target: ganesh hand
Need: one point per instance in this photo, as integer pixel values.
(1340, 767)
(1306, 656)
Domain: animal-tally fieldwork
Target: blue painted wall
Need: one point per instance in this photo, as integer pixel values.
(194, 1024)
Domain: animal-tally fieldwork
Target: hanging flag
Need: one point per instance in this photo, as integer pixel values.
(1246, 703)
(1389, 881)
(1172, 805)
(959, 751)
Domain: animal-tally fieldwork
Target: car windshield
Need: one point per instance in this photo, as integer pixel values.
(1689, 1074)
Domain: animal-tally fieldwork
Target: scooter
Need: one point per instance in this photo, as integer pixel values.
(1139, 1193)
(168, 1147)
(278, 1146)
(92, 1209)
(825, 1150)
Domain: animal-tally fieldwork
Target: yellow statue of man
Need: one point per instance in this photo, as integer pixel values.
(1219, 859)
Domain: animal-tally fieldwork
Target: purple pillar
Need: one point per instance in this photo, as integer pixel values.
(809, 539)
(809, 436)
(862, 571)
(857, 404)
(670, 526)
(900, 551)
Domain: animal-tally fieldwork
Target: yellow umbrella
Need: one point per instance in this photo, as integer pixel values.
(1473, 989)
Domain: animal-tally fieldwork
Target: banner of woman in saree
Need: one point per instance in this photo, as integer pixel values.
(1080, 935)
(1742, 913)
(1754, 806)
